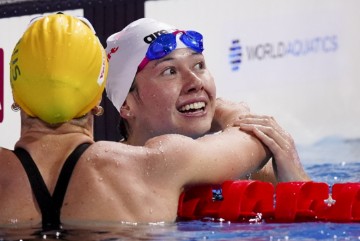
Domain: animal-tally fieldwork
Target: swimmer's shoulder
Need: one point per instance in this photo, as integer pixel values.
(6, 153)
(110, 150)
(9, 161)
(112, 158)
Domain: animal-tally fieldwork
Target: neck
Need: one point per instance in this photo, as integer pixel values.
(137, 140)
(33, 130)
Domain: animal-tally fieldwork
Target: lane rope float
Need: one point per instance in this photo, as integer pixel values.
(246, 201)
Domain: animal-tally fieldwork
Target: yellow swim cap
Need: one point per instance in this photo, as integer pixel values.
(58, 69)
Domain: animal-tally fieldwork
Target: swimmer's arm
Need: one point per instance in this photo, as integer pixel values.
(266, 174)
(226, 113)
(211, 159)
(286, 162)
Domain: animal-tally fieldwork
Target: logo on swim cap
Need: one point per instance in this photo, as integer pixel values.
(151, 37)
(1, 85)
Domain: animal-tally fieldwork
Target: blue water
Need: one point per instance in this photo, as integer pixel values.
(331, 160)
(197, 230)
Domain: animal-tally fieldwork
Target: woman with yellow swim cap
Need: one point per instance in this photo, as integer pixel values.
(58, 70)
(60, 74)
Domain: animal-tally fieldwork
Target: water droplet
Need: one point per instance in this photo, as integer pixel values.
(248, 176)
(13, 220)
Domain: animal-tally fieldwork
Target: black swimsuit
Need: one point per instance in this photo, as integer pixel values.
(50, 206)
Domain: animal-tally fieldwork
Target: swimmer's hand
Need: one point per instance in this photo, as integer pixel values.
(286, 161)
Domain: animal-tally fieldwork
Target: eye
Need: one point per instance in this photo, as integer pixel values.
(200, 65)
(169, 71)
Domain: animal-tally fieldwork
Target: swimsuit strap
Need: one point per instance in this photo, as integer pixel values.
(50, 206)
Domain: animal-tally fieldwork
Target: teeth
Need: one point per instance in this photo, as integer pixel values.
(193, 106)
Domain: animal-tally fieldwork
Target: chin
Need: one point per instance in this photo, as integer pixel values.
(196, 132)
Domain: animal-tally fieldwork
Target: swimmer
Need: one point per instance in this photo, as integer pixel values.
(57, 175)
(160, 84)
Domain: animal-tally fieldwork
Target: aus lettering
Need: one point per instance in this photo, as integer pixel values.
(14, 67)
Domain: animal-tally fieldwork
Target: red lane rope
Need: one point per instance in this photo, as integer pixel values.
(247, 201)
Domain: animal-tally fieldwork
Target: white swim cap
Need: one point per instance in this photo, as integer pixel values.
(125, 51)
(58, 69)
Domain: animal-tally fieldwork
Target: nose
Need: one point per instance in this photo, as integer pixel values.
(193, 83)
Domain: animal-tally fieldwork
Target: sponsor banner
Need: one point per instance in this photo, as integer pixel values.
(281, 49)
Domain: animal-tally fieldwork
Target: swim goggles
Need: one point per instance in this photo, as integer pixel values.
(166, 43)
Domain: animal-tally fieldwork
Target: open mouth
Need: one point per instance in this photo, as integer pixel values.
(193, 107)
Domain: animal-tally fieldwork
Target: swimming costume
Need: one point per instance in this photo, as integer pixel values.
(50, 206)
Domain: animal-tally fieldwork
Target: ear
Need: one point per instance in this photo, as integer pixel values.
(125, 111)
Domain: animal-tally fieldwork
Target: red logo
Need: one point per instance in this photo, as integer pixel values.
(1, 85)
(112, 51)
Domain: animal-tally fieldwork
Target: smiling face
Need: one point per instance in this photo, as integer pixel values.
(173, 95)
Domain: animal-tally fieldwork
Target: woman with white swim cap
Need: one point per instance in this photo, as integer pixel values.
(160, 84)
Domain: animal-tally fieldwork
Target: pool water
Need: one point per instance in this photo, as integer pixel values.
(200, 230)
(341, 165)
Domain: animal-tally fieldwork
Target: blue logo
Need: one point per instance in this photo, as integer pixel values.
(235, 55)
